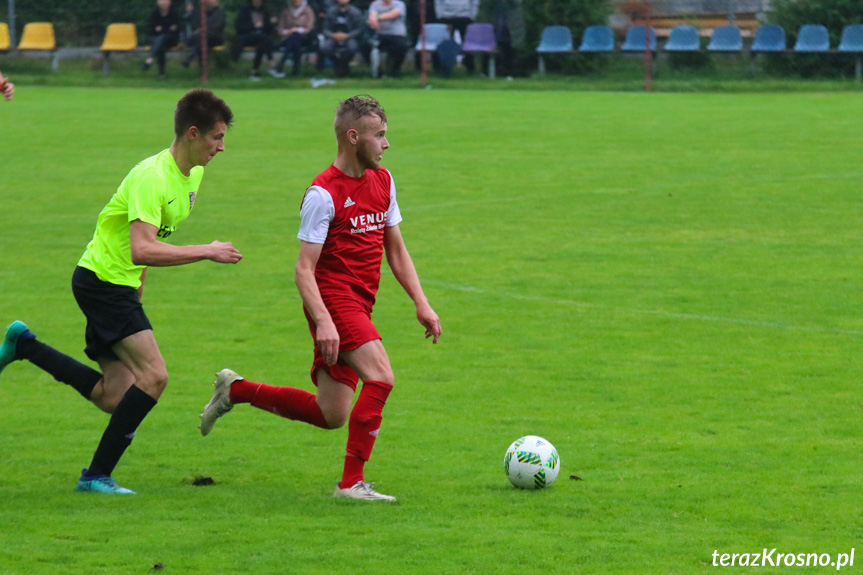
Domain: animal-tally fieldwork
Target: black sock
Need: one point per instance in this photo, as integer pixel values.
(59, 365)
(130, 412)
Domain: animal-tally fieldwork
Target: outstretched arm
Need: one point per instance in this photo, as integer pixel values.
(148, 251)
(403, 268)
(326, 334)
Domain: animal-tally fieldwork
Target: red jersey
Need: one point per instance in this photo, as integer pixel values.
(348, 216)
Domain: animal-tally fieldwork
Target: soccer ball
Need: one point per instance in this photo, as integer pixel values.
(531, 462)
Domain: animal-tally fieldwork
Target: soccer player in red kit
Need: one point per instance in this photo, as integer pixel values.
(349, 220)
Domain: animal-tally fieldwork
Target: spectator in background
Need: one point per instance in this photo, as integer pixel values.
(414, 17)
(215, 30)
(254, 26)
(509, 31)
(297, 30)
(387, 18)
(342, 28)
(164, 30)
(458, 14)
(321, 8)
(7, 88)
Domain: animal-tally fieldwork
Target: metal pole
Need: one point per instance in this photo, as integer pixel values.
(423, 43)
(12, 40)
(648, 55)
(204, 75)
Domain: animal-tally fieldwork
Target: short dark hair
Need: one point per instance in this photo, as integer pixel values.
(355, 108)
(202, 109)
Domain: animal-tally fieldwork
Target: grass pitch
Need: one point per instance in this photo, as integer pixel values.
(667, 287)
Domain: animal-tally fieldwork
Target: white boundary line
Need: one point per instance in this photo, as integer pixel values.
(661, 313)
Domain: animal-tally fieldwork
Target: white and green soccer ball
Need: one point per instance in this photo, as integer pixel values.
(531, 462)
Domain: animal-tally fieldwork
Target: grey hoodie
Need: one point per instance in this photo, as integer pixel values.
(456, 8)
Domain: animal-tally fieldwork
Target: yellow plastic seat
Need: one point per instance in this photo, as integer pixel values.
(38, 36)
(120, 38)
(4, 36)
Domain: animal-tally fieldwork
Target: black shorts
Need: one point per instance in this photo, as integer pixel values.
(113, 312)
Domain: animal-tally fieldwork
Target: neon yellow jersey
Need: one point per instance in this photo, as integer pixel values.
(155, 192)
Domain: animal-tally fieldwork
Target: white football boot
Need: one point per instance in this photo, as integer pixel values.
(365, 491)
(220, 403)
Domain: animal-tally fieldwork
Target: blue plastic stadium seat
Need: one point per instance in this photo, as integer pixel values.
(435, 34)
(852, 38)
(852, 42)
(812, 38)
(725, 39)
(635, 40)
(555, 39)
(769, 38)
(597, 39)
(683, 38)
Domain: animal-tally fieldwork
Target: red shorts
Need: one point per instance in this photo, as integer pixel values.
(355, 327)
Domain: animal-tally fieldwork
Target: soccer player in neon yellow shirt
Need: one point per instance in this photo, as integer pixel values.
(153, 199)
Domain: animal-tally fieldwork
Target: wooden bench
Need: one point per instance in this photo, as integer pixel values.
(746, 21)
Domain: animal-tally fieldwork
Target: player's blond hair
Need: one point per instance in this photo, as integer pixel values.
(351, 111)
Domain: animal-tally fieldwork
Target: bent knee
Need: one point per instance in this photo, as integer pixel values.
(336, 418)
(154, 382)
(385, 376)
(160, 379)
(381, 372)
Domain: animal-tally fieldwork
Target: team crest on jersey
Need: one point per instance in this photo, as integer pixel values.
(192, 196)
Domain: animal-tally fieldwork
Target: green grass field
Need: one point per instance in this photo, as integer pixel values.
(665, 286)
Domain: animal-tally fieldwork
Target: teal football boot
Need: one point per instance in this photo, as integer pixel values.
(7, 349)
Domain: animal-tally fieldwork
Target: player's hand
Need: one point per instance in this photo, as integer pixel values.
(429, 319)
(225, 253)
(7, 88)
(327, 338)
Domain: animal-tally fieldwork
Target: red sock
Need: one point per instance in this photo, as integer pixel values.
(288, 402)
(363, 427)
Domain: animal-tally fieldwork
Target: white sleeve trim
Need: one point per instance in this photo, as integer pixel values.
(394, 215)
(316, 214)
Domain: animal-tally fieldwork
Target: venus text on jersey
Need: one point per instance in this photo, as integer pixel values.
(368, 222)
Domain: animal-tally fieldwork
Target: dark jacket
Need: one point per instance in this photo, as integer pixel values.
(215, 23)
(245, 23)
(349, 22)
(170, 23)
